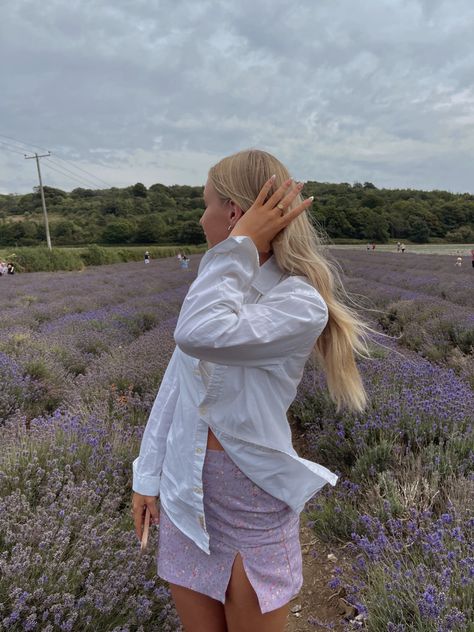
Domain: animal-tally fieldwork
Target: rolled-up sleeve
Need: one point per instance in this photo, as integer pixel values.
(216, 325)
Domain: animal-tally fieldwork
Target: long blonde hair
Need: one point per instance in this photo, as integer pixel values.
(297, 251)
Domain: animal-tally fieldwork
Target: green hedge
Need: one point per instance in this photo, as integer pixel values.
(40, 259)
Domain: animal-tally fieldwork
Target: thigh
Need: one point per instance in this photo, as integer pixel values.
(242, 610)
(198, 612)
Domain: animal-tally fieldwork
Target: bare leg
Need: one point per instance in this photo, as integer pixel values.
(242, 609)
(198, 612)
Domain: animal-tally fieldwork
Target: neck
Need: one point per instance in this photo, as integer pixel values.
(264, 256)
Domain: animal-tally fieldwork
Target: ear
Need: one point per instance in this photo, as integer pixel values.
(235, 210)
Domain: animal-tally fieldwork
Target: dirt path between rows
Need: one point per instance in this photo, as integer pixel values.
(320, 607)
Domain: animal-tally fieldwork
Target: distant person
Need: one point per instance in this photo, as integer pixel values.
(402, 247)
(3, 268)
(458, 262)
(472, 257)
(373, 246)
(180, 256)
(10, 268)
(398, 246)
(184, 262)
(368, 247)
(147, 257)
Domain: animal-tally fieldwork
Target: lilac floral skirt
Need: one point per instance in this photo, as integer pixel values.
(240, 518)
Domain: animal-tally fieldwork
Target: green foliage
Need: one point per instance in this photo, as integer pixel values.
(463, 235)
(117, 232)
(36, 259)
(97, 256)
(40, 258)
(169, 215)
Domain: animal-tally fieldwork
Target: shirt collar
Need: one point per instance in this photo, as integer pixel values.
(268, 276)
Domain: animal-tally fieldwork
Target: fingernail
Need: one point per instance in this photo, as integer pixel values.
(300, 185)
(311, 198)
(273, 177)
(288, 182)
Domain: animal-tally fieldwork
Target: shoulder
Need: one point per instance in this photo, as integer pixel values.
(298, 292)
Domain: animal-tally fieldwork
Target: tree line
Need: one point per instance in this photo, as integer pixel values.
(169, 215)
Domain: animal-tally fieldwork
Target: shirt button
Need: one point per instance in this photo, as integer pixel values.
(198, 490)
(203, 410)
(199, 450)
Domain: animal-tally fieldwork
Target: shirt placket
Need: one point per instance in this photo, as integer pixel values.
(200, 444)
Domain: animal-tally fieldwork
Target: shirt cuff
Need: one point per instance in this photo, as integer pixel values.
(145, 485)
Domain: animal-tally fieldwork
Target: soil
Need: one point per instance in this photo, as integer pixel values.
(320, 605)
(315, 595)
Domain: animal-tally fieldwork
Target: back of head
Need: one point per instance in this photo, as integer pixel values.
(298, 251)
(240, 178)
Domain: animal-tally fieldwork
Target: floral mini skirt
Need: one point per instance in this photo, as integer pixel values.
(240, 518)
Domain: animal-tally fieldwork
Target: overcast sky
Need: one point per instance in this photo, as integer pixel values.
(159, 90)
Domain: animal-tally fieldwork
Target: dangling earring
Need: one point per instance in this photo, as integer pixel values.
(230, 227)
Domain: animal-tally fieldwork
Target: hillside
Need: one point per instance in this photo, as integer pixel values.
(169, 215)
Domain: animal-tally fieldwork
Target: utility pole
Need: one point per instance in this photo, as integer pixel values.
(43, 201)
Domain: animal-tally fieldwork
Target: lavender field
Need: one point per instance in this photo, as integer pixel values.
(81, 358)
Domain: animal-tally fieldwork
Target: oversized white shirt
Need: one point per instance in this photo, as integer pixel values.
(243, 337)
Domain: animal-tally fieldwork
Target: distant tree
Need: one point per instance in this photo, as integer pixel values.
(118, 232)
(371, 200)
(139, 190)
(83, 193)
(376, 227)
(191, 233)
(461, 235)
(150, 229)
(337, 224)
(52, 194)
(117, 206)
(66, 232)
(158, 188)
(420, 232)
(345, 211)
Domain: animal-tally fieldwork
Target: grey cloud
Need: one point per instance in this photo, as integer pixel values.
(308, 80)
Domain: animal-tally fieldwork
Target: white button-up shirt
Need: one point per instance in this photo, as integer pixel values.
(243, 337)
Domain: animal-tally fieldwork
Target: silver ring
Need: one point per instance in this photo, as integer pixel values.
(280, 206)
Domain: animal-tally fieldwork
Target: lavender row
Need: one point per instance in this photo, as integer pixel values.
(404, 500)
(432, 275)
(79, 384)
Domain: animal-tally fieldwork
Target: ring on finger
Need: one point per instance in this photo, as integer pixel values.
(280, 206)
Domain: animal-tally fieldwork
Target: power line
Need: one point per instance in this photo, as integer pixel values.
(82, 181)
(22, 143)
(68, 162)
(9, 147)
(84, 171)
(76, 178)
(59, 166)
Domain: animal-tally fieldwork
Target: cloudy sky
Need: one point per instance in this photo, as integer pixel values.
(159, 90)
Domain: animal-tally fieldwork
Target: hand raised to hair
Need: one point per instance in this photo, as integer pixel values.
(264, 220)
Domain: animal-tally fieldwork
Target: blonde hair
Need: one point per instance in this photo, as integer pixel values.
(297, 250)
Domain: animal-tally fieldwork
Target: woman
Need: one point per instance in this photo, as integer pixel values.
(217, 447)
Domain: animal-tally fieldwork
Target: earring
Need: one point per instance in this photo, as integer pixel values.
(230, 227)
